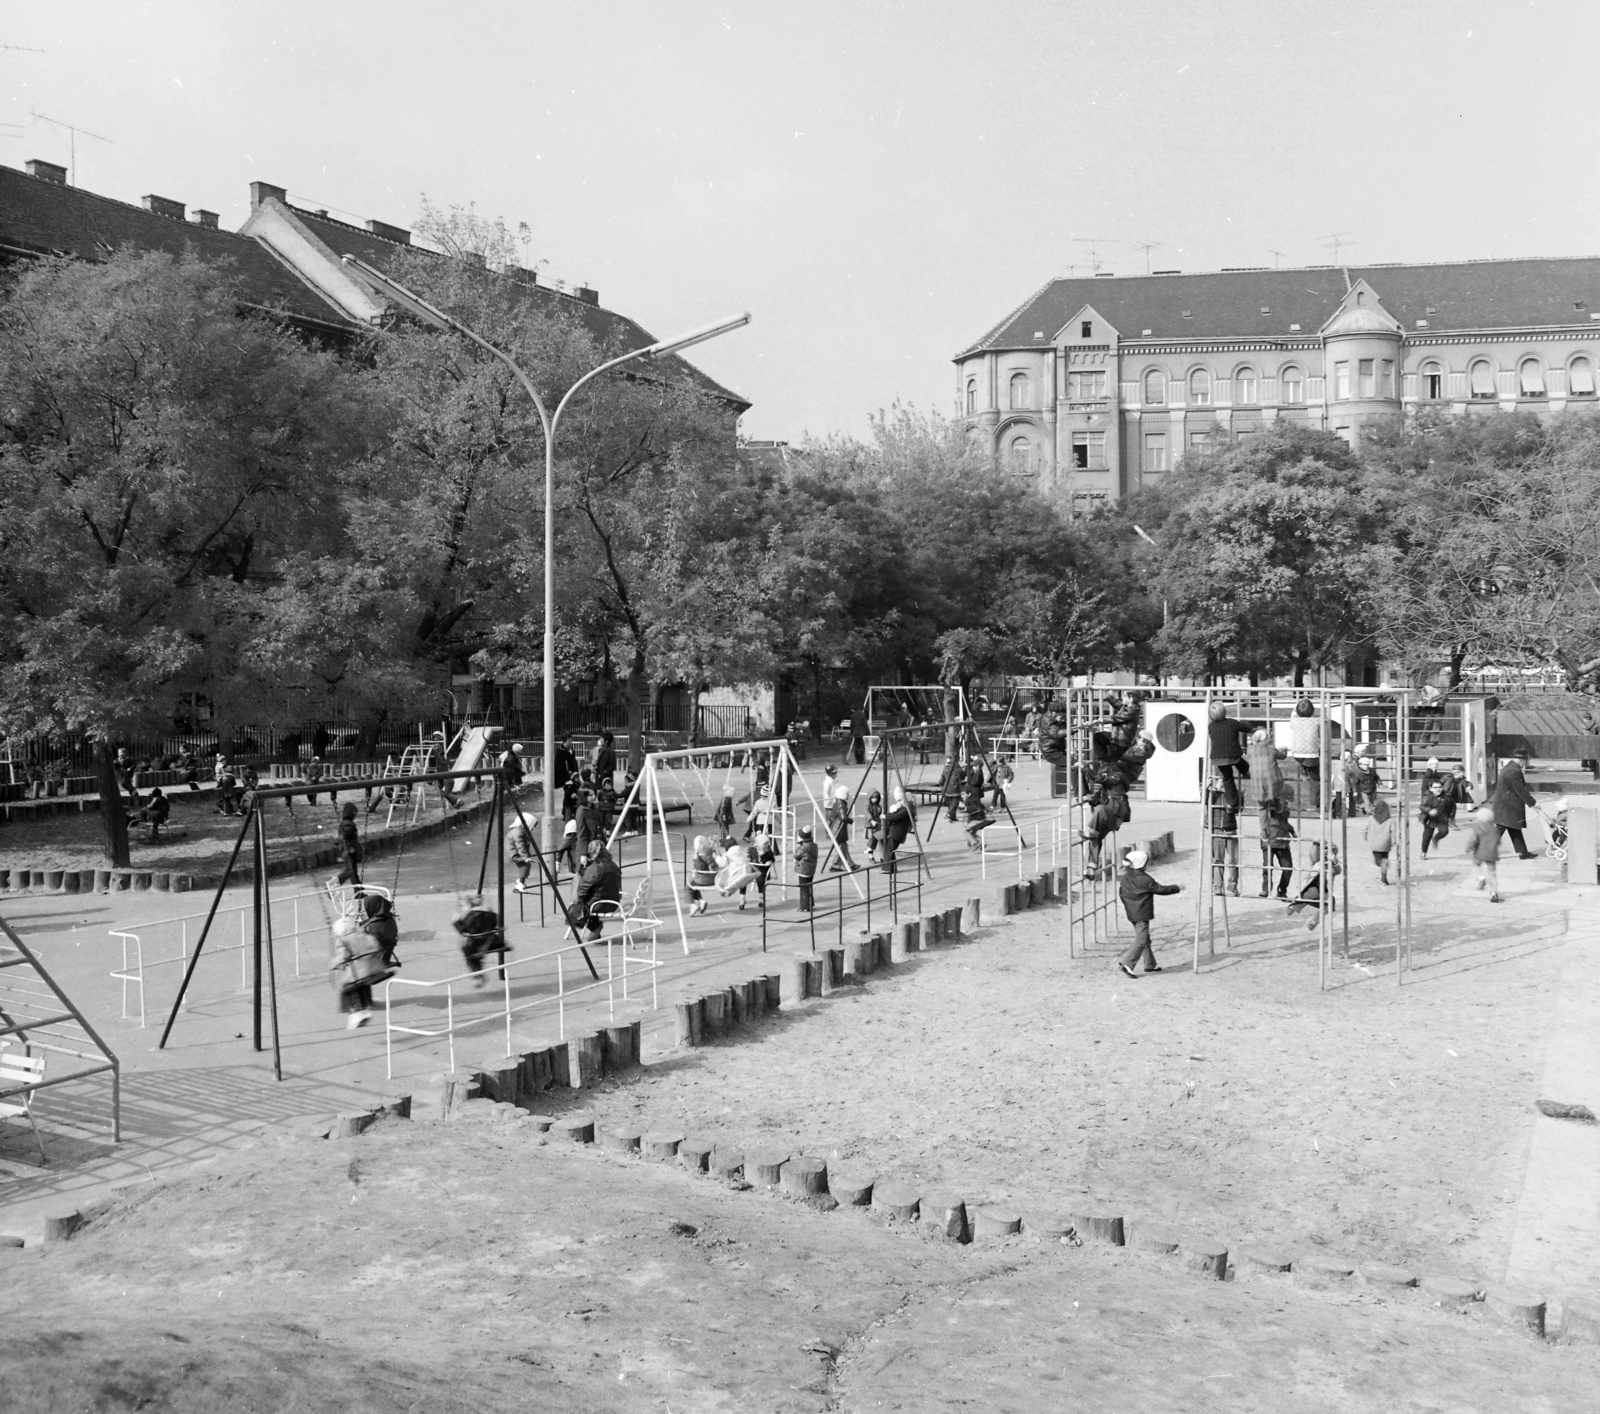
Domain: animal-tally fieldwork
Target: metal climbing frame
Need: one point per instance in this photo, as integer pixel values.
(1094, 915)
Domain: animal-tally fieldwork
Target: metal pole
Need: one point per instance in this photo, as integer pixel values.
(1325, 875)
(257, 879)
(265, 917)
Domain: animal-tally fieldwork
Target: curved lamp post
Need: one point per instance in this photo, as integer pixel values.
(418, 307)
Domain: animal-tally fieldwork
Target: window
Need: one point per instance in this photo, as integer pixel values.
(1291, 384)
(1530, 379)
(1019, 455)
(1341, 380)
(1155, 387)
(1019, 391)
(1086, 385)
(1244, 386)
(1200, 386)
(1086, 329)
(972, 395)
(1580, 377)
(1365, 374)
(1386, 388)
(1432, 382)
(1089, 451)
(1482, 379)
(1199, 441)
(1155, 451)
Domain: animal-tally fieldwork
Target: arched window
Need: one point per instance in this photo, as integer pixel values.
(1155, 387)
(1244, 386)
(1292, 385)
(1580, 377)
(1432, 382)
(1019, 455)
(1019, 391)
(1482, 377)
(1200, 387)
(1530, 379)
(972, 395)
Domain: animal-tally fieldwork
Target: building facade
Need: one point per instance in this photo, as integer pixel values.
(1099, 386)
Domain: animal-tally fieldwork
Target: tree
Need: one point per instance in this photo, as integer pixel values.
(1266, 553)
(169, 484)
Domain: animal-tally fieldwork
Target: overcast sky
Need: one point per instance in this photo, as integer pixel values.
(877, 183)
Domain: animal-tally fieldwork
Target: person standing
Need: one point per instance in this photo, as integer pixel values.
(838, 820)
(805, 867)
(350, 843)
(1438, 814)
(605, 760)
(1484, 847)
(1511, 801)
(1138, 891)
(1366, 781)
(1379, 834)
(1459, 788)
(511, 772)
(950, 782)
(856, 747)
(523, 852)
(565, 769)
(898, 826)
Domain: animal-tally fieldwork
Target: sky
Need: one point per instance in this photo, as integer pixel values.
(876, 183)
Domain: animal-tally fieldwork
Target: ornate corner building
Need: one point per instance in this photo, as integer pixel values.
(1099, 386)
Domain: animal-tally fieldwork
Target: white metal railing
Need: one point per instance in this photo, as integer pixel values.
(1010, 833)
(1013, 747)
(618, 944)
(136, 966)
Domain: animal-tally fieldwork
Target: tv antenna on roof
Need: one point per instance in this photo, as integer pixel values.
(72, 139)
(1336, 242)
(1147, 247)
(1276, 256)
(1094, 243)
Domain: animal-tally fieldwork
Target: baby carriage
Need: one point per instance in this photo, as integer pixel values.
(1555, 825)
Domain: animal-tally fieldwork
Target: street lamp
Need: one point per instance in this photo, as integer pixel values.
(428, 314)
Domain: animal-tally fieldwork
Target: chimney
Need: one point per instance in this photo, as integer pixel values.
(399, 235)
(163, 206)
(208, 219)
(47, 172)
(523, 276)
(260, 191)
(587, 295)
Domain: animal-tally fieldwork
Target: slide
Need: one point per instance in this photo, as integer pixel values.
(471, 753)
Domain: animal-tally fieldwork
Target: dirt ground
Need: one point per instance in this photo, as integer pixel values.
(199, 839)
(1367, 1120)
(480, 1267)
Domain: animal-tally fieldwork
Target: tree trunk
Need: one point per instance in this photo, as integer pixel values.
(1457, 658)
(636, 690)
(112, 815)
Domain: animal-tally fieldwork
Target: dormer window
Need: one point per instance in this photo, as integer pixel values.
(1086, 329)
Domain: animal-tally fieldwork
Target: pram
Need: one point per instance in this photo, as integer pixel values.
(1555, 826)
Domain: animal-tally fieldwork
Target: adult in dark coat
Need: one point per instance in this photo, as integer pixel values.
(600, 883)
(605, 760)
(566, 776)
(1511, 801)
(856, 747)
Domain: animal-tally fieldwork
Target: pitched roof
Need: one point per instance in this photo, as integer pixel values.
(1228, 304)
(45, 218)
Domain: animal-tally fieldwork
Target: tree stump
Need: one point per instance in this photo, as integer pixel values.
(695, 1154)
(1265, 1259)
(541, 1122)
(121, 880)
(815, 967)
(619, 1047)
(805, 1177)
(774, 991)
(660, 1144)
(1046, 1227)
(727, 1161)
(578, 1128)
(1451, 1292)
(832, 970)
(1000, 901)
(347, 1126)
(687, 1016)
(932, 930)
(1321, 1265)
(1205, 1255)
(1520, 1308)
(395, 1107)
(141, 881)
(755, 998)
(950, 927)
(499, 1081)
(714, 1007)
(1099, 1227)
(1382, 1274)
(794, 980)
(159, 881)
(1579, 1325)
(995, 1222)
(1038, 891)
(541, 1071)
(971, 915)
(852, 1190)
(560, 1071)
(764, 1166)
(900, 942)
(102, 880)
(895, 1199)
(621, 1139)
(1149, 1238)
(946, 1214)
(60, 1226)
(585, 1061)
(69, 881)
(859, 957)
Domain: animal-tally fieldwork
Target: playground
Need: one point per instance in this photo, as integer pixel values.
(1306, 1090)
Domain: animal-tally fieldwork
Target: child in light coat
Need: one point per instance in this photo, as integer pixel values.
(1379, 834)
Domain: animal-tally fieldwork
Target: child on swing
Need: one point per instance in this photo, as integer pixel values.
(356, 966)
(481, 935)
(702, 874)
(523, 852)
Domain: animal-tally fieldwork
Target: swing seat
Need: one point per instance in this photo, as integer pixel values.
(638, 915)
(733, 877)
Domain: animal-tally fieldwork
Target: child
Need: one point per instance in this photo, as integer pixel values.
(1138, 891)
(978, 818)
(1459, 790)
(1224, 839)
(1311, 892)
(1379, 835)
(723, 816)
(155, 813)
(875, 825)
(350, 843)
(481, 935)
(521, 848)
(1003, 776)
(1366, 778)
(1103, 822)
(838, 819)
(1276, 832)
(736, 871)
(1484, 847)
(703, 873)
(765, 856)
(378, 923)
(805, 867)
(1438, 814)
(356, 965)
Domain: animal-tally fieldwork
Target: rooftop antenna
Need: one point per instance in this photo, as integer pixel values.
(1094, 243)
(72, 139)
(1336, 242)
(1147, 247)
(1276, 256)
